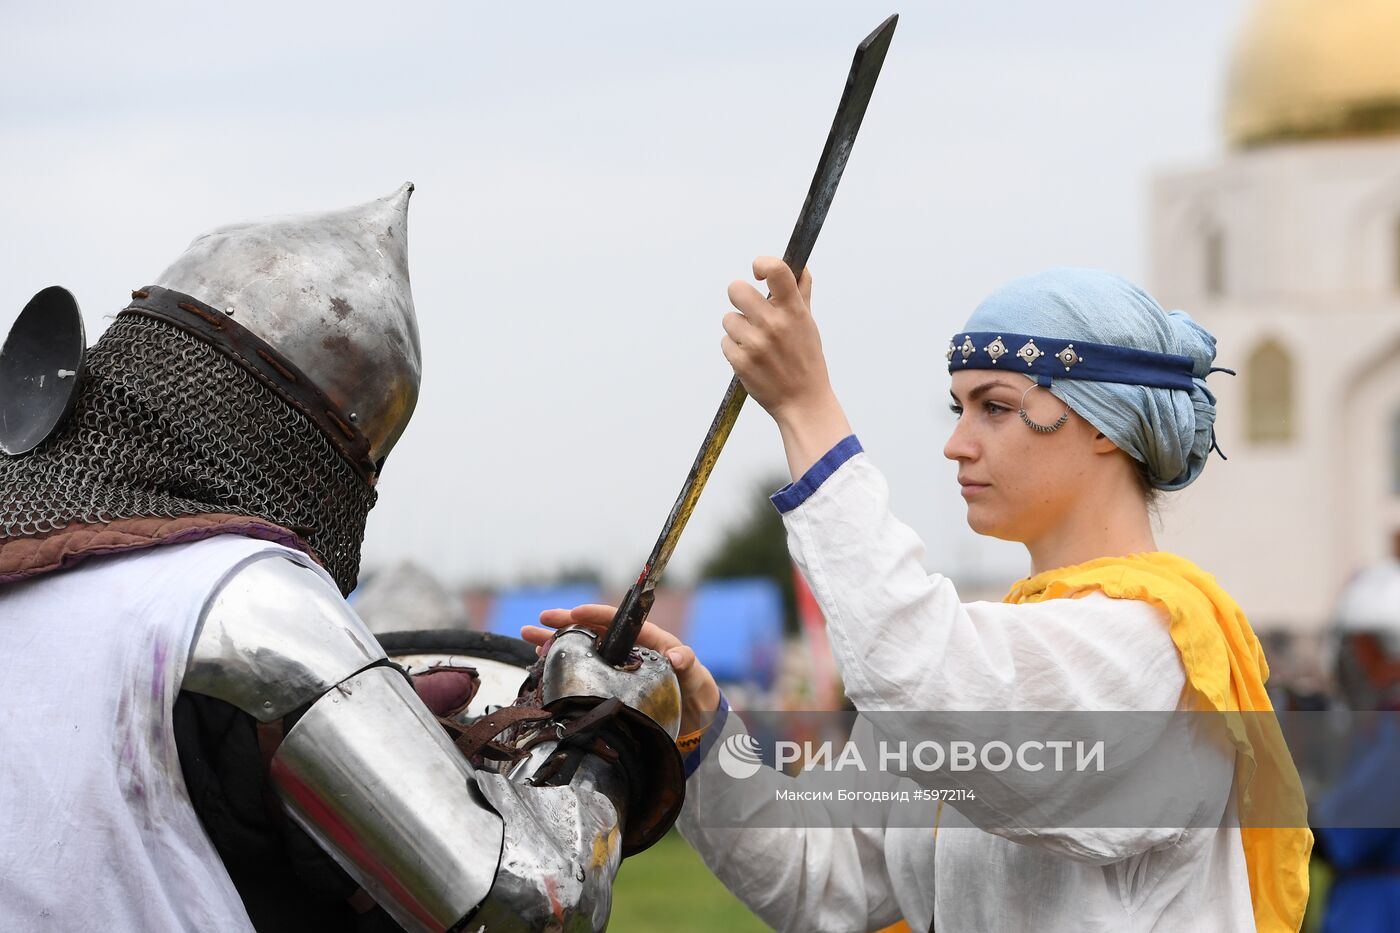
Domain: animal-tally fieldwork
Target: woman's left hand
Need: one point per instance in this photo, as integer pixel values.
(699, 692)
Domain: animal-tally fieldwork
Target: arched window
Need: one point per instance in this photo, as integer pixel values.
(1269, 383)
(1213, 261)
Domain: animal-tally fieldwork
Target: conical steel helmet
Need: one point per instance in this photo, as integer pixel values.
(330, 292)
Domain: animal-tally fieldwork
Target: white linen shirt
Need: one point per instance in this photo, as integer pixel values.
(97, 830)
(903, 640)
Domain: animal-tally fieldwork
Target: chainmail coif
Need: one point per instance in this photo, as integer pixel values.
(165, 425)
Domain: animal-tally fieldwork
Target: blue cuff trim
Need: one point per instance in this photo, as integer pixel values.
(707, 741)
(794, 494)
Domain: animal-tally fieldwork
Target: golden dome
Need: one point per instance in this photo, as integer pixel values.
(1308, 69)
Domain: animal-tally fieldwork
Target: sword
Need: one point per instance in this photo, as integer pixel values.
(616, 643)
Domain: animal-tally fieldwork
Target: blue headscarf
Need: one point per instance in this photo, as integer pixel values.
(1169, 430)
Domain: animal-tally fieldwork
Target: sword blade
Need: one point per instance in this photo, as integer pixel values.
(860, 85)
(621, 634)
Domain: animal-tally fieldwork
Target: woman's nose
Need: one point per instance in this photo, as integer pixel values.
(961, 445)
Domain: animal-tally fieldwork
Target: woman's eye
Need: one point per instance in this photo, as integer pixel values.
(956, 410)
(993, 408)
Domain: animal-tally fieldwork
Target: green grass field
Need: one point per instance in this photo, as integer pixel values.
(668, 888)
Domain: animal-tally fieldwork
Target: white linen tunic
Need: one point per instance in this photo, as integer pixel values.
(96, 826)
(904, 641)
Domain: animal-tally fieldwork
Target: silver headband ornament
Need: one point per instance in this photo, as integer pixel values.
(1049, 358)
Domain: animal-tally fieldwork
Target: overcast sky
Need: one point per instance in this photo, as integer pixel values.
(590, 178)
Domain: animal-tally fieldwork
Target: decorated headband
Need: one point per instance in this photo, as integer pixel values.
(1048, 358)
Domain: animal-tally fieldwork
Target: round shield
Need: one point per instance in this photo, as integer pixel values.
(40, 368)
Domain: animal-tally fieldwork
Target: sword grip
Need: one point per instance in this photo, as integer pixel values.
(616, 643)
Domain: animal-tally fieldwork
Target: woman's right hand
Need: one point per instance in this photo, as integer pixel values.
(776, 351)
(699, 692)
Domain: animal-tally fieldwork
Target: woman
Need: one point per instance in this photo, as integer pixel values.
(1077, 399)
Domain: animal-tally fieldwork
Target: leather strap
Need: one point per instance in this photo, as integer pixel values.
(476, 739)
(576, 739)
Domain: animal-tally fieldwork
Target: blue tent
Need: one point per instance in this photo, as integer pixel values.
(514, 608)
(736, 629)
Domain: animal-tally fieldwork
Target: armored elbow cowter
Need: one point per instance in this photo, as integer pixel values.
(374, 778)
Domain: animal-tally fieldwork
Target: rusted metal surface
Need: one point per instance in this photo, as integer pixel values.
(330, 293)
(573, 669)
(622, 633)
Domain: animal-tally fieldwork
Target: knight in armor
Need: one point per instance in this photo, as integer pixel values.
(198, 732)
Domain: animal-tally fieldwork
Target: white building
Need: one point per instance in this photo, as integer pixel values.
(1288, 249)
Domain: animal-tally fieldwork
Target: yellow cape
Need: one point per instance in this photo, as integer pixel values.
(1225, 666)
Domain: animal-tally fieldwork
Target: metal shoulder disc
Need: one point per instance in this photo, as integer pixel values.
(41, 366)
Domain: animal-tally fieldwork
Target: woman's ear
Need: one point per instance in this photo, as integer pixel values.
(1102, 445)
